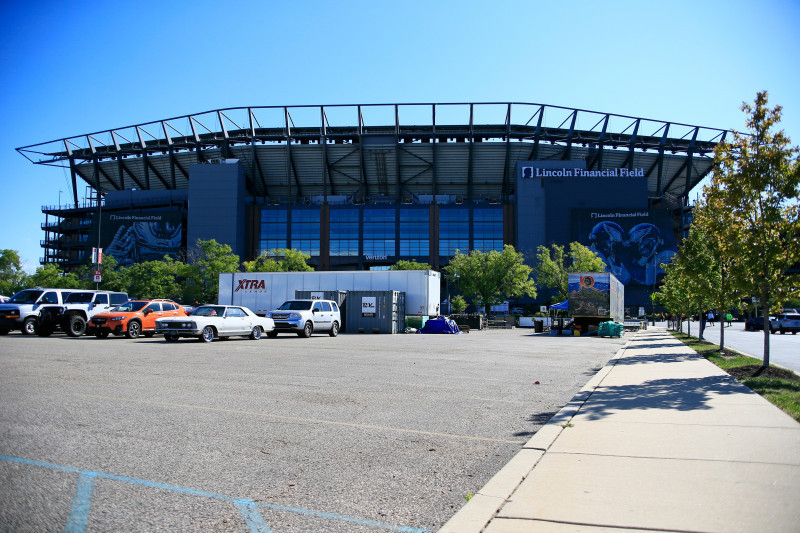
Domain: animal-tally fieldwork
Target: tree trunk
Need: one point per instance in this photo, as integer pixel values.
(765, 300)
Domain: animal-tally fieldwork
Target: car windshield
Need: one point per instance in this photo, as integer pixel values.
(25, 297)
(209, 310)
(295, 305)
(79, 298)
(129, 307)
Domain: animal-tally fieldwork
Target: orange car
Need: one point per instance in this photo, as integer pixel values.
(133, 318)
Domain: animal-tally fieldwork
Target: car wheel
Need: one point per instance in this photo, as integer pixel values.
(134, 328)
(256, 333)
(29, 326)
(76, 326)
(169, 337)
(149, 334)
(101, 334)
(308, 329)
(207, 335)
(272, 334)
(334, 329)
(751, 328)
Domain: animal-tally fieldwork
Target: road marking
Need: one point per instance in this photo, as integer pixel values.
(306, 420)
(81, 504)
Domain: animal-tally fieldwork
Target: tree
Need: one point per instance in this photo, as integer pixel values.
(757, 182)
(490, 278)
(207, 261)
(52, 277)
(12, 276)
(279, 260)
(553, 266)
(459, 304)
(410, 265)
(709, 265)
(154, 279)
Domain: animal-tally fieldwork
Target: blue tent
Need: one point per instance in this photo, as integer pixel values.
(563, 305)
(440, 324)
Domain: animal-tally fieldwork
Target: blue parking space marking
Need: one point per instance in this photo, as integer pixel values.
(78, 519)
(79, 515)
(252, 516)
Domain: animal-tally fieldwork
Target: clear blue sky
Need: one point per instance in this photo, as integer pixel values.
(79, 67)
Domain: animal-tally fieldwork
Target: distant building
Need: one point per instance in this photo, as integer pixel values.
(362, 186)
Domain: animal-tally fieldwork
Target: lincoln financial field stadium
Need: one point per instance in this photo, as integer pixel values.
(360, 187)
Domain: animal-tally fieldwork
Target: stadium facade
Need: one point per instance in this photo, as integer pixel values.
(363, 186)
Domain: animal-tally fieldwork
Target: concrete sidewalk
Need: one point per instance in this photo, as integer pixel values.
(659, 440)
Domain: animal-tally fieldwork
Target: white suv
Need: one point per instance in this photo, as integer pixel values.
(304, 317)
(788, 322)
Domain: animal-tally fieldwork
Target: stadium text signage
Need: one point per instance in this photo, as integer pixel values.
(536, 172)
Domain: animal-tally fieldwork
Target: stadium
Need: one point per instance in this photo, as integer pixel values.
(362, 186)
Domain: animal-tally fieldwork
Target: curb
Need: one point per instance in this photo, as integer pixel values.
(476, 514)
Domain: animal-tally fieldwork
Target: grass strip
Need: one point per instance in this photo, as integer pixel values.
(779, 386)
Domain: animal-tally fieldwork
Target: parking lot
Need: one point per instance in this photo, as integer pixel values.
(353, 433)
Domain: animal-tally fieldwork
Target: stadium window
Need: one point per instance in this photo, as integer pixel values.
(453, 231)
(344, 232)
(379, 231)
(305, 231)
(414, 232)
(274, 229)
(487, 229)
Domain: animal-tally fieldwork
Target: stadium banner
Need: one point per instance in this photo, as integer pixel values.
(634, 243)
(141, 235)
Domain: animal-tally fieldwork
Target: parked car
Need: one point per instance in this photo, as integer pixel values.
(757, 323)
(133, 318)
(304, 317)
(21, 310)
(78, 308)
(209, 322)
(788, 322)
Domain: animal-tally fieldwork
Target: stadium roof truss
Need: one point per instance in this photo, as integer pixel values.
(383, 150)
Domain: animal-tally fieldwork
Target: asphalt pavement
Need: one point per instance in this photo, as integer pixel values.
(354, 433)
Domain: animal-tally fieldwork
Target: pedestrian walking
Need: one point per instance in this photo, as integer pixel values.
(710, 318)
(729, 318)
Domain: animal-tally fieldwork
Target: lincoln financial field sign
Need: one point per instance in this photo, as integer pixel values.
(604, 209)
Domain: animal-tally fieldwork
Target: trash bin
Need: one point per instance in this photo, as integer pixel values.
(538, 326)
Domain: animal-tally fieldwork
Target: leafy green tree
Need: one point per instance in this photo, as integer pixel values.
(459, 304)
(676, 291)
(554, 265)
(490, 278)
(410, 265)
(710, 266)
(208, 260)
(154, 279)
(279, 260)
(51, 276)
(12, 276)
(757, 181)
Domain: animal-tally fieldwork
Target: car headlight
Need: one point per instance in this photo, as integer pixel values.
(268, 315)
(294, 315)
(117, 318)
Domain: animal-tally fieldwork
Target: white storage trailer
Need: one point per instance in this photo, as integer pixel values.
(265, 291)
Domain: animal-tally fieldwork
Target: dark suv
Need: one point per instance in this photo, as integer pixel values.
(757, 323)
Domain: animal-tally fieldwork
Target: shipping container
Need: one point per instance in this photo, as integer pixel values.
(596, 294)
(376, 312)
(265, 291)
